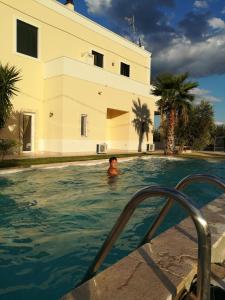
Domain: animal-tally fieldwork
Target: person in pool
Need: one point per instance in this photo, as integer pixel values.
(113, 169)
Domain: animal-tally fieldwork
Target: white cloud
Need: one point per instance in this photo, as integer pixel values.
(219, 123)
(97, 6)
(223, 11)
(201, 94)
(217, 23)
(199, 59)
(200, 4)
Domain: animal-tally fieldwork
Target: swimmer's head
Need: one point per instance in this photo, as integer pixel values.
(113, 161)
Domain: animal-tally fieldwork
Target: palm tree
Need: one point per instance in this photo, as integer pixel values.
(175, 102)
(142, 121)
(9, 76)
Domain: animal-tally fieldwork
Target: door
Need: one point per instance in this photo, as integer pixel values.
(28, 132)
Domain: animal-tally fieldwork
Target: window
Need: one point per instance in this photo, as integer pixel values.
(27, 39)
(98, 59)
(83, 125)
(125, 69)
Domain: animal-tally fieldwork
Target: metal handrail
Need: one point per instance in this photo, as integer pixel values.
(182, 184)
(204, 237)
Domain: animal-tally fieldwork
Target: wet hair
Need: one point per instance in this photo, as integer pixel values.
(112, 158)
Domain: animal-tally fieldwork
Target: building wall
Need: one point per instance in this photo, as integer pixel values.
(50, 89)
(79, 97)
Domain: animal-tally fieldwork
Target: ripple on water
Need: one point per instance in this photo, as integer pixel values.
(53, 221)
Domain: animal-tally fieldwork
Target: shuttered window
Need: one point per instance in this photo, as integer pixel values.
(98, 59)
(27, 39)
(125, 69)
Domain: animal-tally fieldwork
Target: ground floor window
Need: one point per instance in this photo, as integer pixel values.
(83, 125)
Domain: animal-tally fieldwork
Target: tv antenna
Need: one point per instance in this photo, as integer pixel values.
(131, 23)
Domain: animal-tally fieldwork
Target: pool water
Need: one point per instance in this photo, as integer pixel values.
(54, 221)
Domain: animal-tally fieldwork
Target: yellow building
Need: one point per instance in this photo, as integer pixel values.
(78, 83)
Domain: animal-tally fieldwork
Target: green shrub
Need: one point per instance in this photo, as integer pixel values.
(7, 147)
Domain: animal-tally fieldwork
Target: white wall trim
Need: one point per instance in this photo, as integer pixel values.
(84, 71)
(78, 18)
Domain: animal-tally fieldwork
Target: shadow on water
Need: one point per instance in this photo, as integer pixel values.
(5, 182)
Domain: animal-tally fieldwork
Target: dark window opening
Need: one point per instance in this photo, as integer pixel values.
(27, 39)
(125, 69)
(98, 59)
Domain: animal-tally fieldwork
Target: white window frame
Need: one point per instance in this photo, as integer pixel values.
(15, 38)
(86, 125)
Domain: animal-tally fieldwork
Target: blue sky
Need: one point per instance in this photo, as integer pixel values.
(183, 35)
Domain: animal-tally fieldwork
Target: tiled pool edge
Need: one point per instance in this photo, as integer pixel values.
(161, 269)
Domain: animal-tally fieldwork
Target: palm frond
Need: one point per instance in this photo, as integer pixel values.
(9, 76)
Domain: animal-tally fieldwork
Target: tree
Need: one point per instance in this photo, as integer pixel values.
(182, 133)
(156, 135)
(220, 130)
(142, 121)
(174, 103)
(9, 76)
(202, 127)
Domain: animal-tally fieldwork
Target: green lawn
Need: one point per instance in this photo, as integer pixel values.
(27, 162)
(203, 155)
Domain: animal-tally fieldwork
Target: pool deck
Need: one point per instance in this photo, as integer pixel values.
(162, 269)
(37, 160)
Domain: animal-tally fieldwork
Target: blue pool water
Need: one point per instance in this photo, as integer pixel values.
(54, 221)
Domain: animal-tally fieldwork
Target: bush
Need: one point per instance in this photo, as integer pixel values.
(7, 147)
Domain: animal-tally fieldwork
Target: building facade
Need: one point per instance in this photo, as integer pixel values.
(78, 83)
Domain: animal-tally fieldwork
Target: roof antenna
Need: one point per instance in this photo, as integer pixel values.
(131, 23)
(140, 42)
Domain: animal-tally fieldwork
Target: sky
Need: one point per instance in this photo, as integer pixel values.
(182, 35)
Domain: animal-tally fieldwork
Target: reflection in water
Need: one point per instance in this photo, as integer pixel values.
(54, 221)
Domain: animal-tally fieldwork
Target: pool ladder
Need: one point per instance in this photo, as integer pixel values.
(173, 194)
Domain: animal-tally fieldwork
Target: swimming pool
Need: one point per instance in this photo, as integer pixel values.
(53, 221)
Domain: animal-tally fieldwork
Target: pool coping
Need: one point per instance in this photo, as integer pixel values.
(81, 163)
(61, 165)
(158, 270)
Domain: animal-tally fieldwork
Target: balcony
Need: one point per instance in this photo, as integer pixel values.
(91, 73)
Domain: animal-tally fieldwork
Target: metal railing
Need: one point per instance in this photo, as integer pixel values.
(182, 184)
(203, 233)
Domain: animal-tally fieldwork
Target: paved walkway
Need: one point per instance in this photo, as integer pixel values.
(218, 275)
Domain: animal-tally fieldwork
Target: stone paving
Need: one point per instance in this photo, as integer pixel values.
(162, 269)
(218, 275)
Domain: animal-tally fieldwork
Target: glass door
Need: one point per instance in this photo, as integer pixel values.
(28, 123)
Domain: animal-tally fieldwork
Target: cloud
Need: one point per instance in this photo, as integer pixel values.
(195, 25)
(201, 94)
(201, 4)
(97, 6)
(219, 123)
(223, 11)
(195, 43)
(199, 59)
(217, 23)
